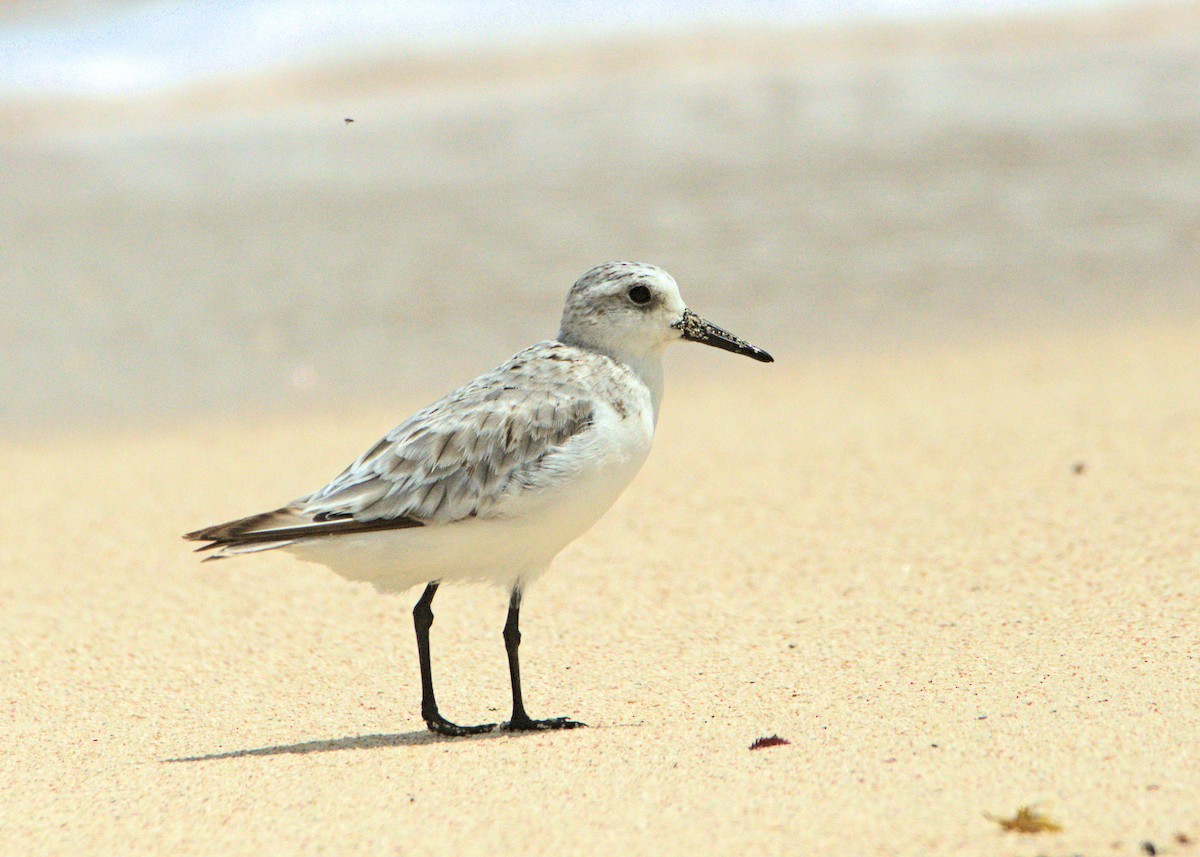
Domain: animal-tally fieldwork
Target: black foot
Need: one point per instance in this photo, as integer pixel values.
(528, 724)
(442, 726)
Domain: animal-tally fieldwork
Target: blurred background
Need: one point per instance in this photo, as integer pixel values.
(190, 222)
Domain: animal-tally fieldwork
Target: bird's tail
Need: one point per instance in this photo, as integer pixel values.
(262, 532)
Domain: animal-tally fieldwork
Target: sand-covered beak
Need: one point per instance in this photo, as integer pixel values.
(695, 329)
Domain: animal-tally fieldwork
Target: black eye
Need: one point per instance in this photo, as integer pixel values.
(639, 295)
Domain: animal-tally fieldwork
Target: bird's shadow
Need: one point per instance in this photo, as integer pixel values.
(363, 742)
(350, 742)
(418, 738)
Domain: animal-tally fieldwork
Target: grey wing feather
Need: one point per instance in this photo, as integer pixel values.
(458, 457)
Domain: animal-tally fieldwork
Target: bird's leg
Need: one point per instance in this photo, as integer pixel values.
(522, 722)
(423, 620)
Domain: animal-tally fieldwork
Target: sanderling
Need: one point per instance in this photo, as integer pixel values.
(492, 481)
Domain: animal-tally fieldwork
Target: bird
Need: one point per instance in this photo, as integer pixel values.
(492, 481)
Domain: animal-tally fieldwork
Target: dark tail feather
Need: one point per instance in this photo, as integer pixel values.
(265, 531)
(234, 530)
(281, 528)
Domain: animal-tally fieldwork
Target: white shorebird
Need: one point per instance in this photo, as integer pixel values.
(492, 481)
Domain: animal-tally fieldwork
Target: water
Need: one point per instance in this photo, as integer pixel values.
(279, 259)
(130, 49)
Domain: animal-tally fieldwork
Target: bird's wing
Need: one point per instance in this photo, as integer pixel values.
(460, 456)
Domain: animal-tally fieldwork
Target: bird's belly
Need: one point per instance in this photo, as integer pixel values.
(495, 551)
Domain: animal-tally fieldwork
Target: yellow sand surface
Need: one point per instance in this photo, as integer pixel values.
(958, 581)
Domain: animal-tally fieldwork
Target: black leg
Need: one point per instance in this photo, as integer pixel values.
(423, 621)
(522, 722)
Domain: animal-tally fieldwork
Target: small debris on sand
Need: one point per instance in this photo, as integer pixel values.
(1027, 820)
(771, 741)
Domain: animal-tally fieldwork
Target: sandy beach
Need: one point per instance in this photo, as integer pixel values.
(947, 546)
(893, 564)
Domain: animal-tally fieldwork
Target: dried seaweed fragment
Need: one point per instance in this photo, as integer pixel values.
(1027, 820)
(769, 741)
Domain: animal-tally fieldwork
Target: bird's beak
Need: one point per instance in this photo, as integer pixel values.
(695, 329)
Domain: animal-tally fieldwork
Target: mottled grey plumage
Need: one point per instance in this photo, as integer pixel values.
(462, 456)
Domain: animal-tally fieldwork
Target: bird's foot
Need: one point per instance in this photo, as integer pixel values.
(442, 726)
(528, 724)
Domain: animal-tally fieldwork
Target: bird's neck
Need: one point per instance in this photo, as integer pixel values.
(649, 368)
(647, 365)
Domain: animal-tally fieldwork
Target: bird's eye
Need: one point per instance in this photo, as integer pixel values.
(639, 295)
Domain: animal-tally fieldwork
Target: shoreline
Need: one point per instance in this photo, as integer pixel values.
(407, 70)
